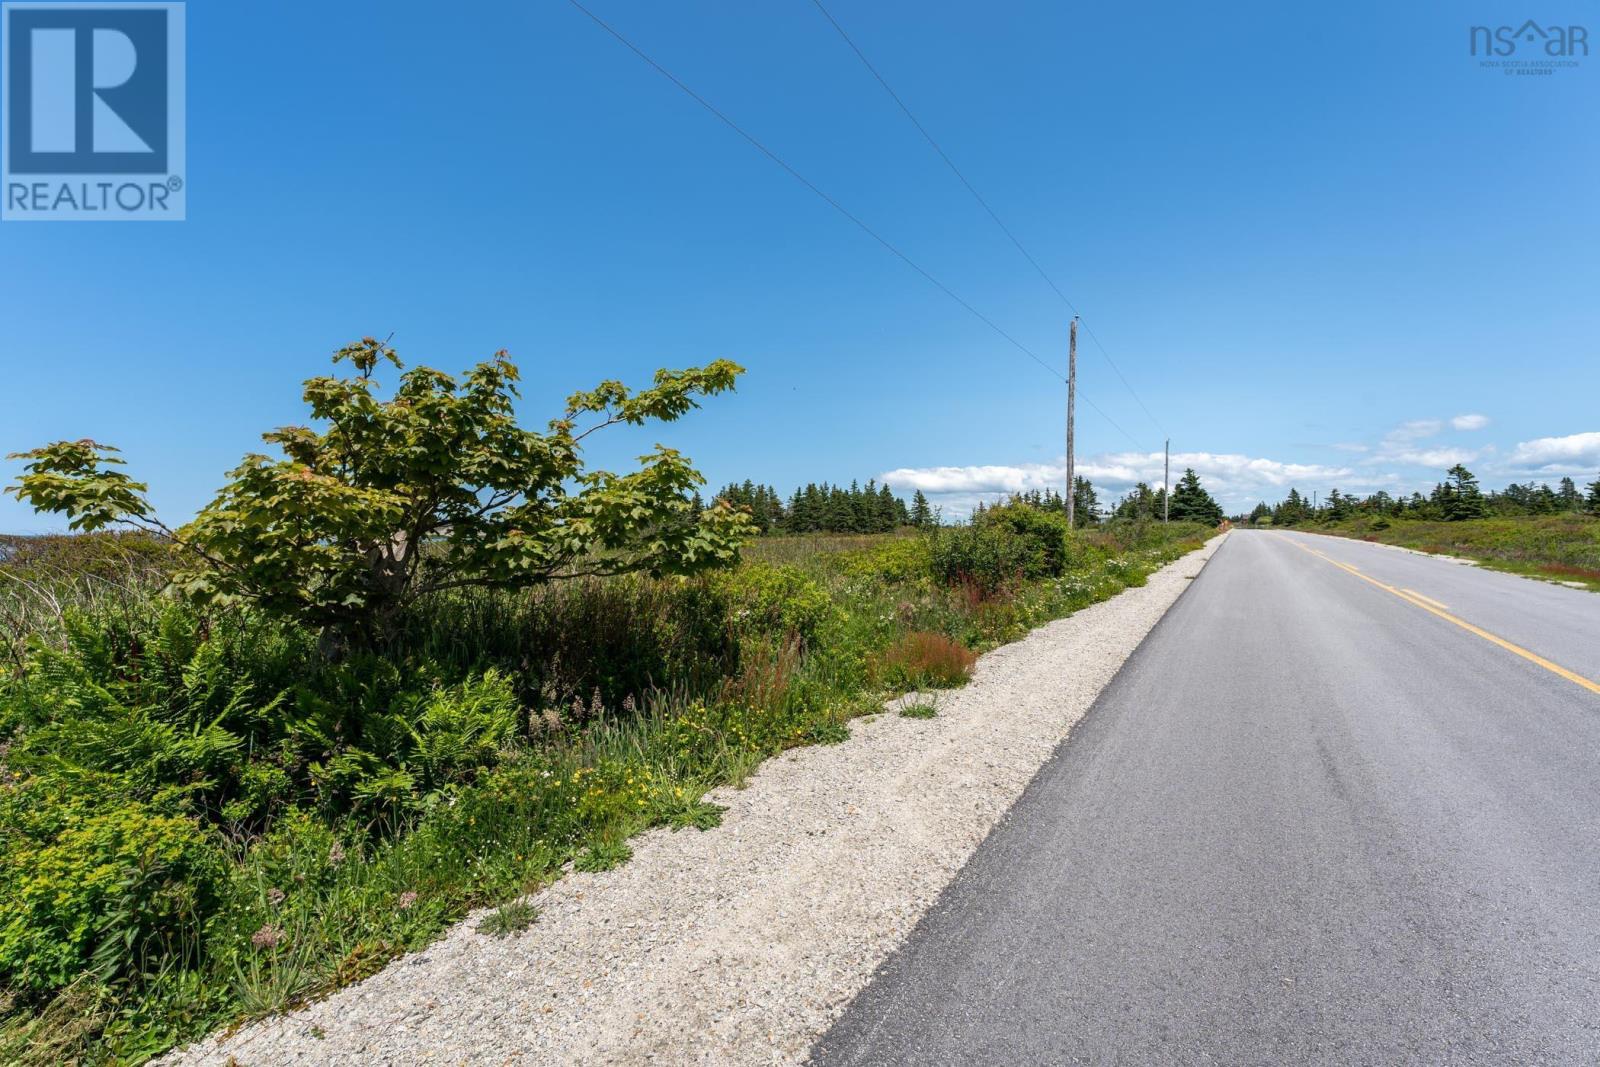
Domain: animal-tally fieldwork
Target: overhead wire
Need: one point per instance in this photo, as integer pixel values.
(943, 155)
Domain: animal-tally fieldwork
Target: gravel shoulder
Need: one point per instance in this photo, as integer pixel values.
(742, 944)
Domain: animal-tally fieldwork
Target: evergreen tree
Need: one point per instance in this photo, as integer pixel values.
(1339, 506)
(1259, 512)
(1592, 504)
(1085, 504)
(1459, 497)
(1291, 511)
(1567, 497)
(1140, 503)
(1191, 503)
(921, 515)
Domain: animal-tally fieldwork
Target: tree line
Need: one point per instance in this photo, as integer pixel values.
(1456, 498)
(1190, 502)
(825, 508)
(873, 508)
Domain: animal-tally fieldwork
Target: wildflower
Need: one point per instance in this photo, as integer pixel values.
(267, 937)
(336, 854)
(274, 896)
(408, 898)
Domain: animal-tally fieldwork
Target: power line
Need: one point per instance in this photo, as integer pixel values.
(987, 209)
(840, 208)
(803, 180)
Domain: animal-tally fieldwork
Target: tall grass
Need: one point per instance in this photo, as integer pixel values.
(312, 820)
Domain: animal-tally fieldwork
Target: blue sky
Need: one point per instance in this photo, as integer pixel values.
(1325, 246)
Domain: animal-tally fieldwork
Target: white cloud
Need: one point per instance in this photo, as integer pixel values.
(1409, 432)
(1235, 480)
(1427, 457)
(1558, 455)
(986, 479)
(1402, 446)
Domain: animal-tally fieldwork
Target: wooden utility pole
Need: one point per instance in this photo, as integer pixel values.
(1166, 476)
(1072, 400)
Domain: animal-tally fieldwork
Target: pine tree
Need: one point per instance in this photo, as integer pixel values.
(1191, 503)
(921, 516)
(1459, 497)
(1567, 496)
(1085, 504)
(1339, 506)
(1592, 504)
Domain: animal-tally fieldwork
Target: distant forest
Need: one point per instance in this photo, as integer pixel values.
(1457, 497)
(874, 508)
(825, 508)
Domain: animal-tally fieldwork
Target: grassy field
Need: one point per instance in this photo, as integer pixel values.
(1556, 547)
(204, 818)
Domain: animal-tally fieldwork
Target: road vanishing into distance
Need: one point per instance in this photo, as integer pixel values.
(1342, 806)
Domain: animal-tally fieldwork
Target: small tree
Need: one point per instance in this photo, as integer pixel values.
(1459, 497)
(1567, 496)
(1191, 503)
(436, 488)
(1591, 503)
(1085, 502)
(921, 514)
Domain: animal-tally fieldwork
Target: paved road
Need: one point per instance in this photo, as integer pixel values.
(1316, 819)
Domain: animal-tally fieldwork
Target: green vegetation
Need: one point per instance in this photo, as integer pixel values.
(435, 489)
(1558, 547)
(225, 790)
(204, 818)
(512, 917)
(827, 508)
(1528, 529)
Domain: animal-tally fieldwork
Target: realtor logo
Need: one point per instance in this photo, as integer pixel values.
(93, 99)
(1529, 49)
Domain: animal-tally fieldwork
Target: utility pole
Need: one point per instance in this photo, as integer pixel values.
(1166, 475)
(1072, 399)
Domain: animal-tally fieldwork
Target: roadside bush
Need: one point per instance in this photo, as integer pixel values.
(988, 558)
(1043, 537)
(904, 559)
(408, 750)
(117, 893)
(255, 824)
(779, 600)
(558, 643)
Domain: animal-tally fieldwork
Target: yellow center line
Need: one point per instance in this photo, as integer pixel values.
(1429, 599)
(1423, 603)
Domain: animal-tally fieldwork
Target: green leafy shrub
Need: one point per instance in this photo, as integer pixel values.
(356, 806)
(903, 559)
(1043, 538)
(563, 642)
(779, 600)
(432, 489)
(115, 892)
(986, 558)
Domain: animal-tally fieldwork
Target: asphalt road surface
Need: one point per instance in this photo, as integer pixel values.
(1342, 806)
